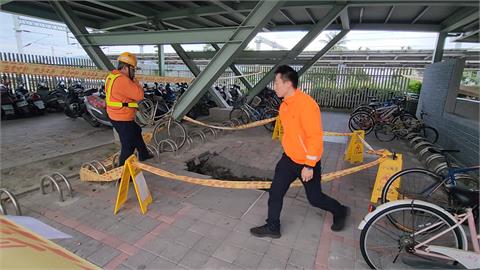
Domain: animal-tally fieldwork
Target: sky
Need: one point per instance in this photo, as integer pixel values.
(41, 41)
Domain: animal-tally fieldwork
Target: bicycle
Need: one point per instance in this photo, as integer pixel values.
(367, 120)
(372, 105)
(435, 237)
(438, 188)
(400, 128)
(247, 113)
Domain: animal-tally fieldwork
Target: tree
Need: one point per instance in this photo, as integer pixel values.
(341, 44)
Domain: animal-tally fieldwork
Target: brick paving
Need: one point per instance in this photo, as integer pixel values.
(196, 227)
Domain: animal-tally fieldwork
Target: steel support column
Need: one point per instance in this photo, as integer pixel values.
(196, 72)
(76, 27)
(194, 69)
(255, 21)
(438, 53)
(236, 71)
(323, 51)
(161, 60)
(315, 30)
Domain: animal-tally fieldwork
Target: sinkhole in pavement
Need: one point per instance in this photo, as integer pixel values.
(220, 167)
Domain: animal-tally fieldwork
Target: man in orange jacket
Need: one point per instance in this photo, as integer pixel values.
(302, 142)
(122, 94)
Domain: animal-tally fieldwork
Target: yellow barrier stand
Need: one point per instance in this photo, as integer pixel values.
(354, 151)
(389, 167)
(278, 130)
(141, 189)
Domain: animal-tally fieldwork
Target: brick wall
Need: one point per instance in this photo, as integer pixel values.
(455, 131)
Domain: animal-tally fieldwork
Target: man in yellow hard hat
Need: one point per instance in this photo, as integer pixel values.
(123, 92)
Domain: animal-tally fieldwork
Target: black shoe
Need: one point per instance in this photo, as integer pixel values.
(339, 220)
(146, 158)
(265, 231)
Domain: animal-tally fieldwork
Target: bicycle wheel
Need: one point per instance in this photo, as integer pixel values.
(172, 130)
(418, 184)
(385, 133)
(270, 113)
(239, 114)
(361, 121)
(384, 246)
(429, 133)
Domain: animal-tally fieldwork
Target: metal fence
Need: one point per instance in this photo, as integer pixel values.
(31, 81)
(339, 87)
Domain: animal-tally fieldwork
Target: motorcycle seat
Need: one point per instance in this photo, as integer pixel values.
(96, 101)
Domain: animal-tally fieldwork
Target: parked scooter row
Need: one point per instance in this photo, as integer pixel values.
(23, 103)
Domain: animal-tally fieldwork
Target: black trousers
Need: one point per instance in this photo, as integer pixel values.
(130, 134)
(286, 172)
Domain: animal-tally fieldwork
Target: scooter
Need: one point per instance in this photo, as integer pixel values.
(50, 98)
(7, 105)
(74, 104)
(21, 104)
(96, 109)
(34, 100)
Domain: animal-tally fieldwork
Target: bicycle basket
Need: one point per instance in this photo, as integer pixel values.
(256, 101)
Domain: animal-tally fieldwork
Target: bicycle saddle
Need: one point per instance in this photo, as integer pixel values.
(465, 196)
(374, 104)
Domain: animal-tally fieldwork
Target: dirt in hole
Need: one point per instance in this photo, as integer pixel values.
(219, 167)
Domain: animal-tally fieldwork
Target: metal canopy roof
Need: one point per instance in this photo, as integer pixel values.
(408, 15)
(387, 58)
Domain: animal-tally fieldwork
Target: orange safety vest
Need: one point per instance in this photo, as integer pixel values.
(108, 90)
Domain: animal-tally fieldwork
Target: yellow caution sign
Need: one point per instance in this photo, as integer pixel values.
(278, 130)
(141, 188)
(389, 167)
(354, 151)
(21, 248)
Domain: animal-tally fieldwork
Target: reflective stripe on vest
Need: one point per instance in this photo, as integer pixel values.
(108, 90)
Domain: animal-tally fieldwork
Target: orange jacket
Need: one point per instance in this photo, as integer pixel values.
(302, 126)
(123, 90)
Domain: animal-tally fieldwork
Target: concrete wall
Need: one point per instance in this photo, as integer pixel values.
(438, 101)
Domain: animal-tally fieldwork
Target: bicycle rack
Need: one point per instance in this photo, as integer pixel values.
(13, 199)
(236, 122)
(90, 165)
(190, 143)
(416, 140)
(93, 162)
(198, 133)
(424, 153)
(440, 167)
(171, 143)
(210, 130)
(55, 184)
(418, 147)
(116, 160)
(412, 135)
(97, 169)
(433, 158)
(152, 149)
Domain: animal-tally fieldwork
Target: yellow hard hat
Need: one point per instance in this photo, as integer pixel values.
(128, 58)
